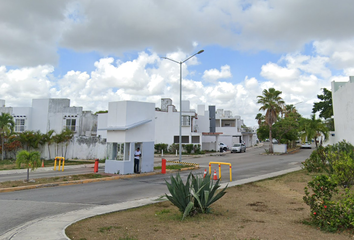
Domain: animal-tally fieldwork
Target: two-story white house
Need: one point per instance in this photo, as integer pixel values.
(57, 114)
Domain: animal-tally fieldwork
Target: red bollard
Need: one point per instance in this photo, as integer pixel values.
(95, 169)
(163, 166)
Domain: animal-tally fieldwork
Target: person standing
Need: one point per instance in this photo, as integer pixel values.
(137, 156)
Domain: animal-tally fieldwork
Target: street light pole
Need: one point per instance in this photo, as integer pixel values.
(180, 98)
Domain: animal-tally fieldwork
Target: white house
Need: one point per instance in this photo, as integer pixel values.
(205, 127)
(56, 114)
(343, 110)
(167, 124)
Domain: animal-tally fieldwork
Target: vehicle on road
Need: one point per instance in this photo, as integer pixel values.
(238, 147)
(306, 145)
(223, 146)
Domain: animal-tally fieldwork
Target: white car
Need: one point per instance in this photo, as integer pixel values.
(222, 146)
(238, 147)
(306, 145)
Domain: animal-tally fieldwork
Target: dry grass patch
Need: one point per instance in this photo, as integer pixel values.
(270, 209)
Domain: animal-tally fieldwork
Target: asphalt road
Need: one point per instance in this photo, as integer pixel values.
(20, 207)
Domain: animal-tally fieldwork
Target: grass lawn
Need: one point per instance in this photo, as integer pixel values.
(9, 164)
(269, 209)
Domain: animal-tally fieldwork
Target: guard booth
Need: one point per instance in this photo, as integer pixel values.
(130, 125)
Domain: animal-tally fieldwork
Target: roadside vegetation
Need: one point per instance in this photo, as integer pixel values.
(51, 180)
(10, 164)
(283, 123)
(329, 194)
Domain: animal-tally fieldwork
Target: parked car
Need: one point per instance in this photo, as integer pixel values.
(306, 145)
(238, 147)
(223, 146)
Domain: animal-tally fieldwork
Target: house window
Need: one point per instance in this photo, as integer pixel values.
(118, 151)
(195, 139)
(186, 120)
(19, 125)
(185, 139)
(71, 124)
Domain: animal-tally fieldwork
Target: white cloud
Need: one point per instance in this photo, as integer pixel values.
(213, 75)
(33, 30)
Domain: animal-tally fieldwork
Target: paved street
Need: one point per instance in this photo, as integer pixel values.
(20, 207)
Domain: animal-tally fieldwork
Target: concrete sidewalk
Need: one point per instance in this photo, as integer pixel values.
(53, 228)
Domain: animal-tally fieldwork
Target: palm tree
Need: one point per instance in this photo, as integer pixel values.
(313, 128)
(30, 159)
(260, 118)
(49, 139)
(272, 105)
(7, 126)
(68, 135)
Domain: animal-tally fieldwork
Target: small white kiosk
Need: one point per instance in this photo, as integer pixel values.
(130, 125)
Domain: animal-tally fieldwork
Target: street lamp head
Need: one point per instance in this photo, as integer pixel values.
(200, 51)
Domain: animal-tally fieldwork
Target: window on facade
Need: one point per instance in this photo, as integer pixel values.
(71, 124)
(186, 120)
(195, 139)
(118, 151)
(185, 139)
(19, 125)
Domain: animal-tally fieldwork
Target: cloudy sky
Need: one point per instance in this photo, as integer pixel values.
(94, 52)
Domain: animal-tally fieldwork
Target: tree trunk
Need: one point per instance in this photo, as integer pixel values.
(270, 140)
(2, 148)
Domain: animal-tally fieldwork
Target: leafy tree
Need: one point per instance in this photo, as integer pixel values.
(272, 104)
(286, 128)
(312, 129)
(7, 126)
(263, 132)
(325, 108)
(30, 159)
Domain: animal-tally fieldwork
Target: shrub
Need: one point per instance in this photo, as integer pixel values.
(337, 162)
(195, 196)
(196, 148)
(161, 146)
(188, 148)
(173, 148)
(326, 213)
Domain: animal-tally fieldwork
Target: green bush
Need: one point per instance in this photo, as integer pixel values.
(337, 162)
(161, 146)
(196, 148)
(195, 196)
(173, 148)
(188, 148)
(327, 214)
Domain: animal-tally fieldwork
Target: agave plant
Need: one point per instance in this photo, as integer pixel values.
(204, 191)
(195, 196)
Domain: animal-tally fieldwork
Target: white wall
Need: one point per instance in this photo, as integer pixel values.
(343, 109)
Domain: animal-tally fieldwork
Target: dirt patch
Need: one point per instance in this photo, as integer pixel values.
(270, 209)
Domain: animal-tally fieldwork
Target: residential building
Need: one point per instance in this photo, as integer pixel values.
(343, 105)
(56, 114)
